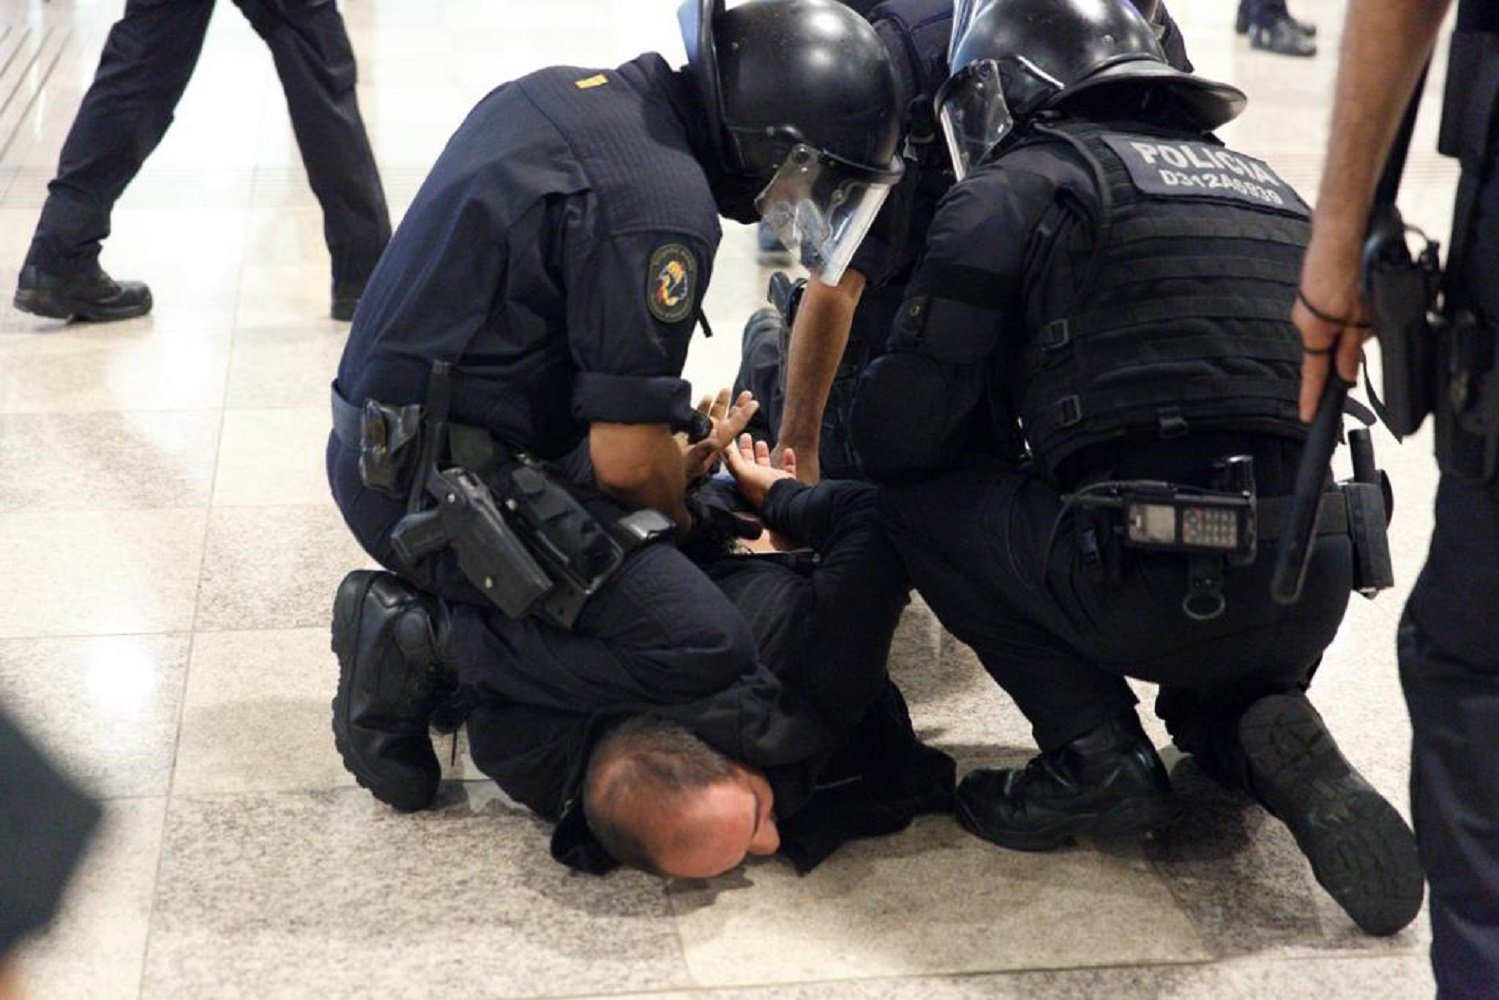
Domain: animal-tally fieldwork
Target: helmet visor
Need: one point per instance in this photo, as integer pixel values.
(820, 207)
(971, 107)
(962, 16)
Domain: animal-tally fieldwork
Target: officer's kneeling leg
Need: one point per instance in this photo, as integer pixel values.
(385, 634)
(657, 638)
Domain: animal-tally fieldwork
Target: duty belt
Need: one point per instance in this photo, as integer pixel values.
(519, 536)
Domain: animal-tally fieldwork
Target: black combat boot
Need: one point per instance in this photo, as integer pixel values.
(1241, 22)
(1106, 783)
(94, 296)
(1361, 850)
(385, 636)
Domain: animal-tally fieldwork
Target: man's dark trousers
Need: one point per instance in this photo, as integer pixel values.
(990, 550)
(146, 64)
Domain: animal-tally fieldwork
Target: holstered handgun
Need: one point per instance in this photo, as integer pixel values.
(489, 551)
(1401, 290)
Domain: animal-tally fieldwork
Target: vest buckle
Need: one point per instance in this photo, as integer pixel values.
(1055, 335)
(1171, 422)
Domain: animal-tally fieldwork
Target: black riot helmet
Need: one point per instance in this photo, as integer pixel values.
(802, 109)
(1013, 58)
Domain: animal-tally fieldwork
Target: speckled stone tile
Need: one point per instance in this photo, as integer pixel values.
(100, 572)
(290, 365)
(281, 294)
(105, 708)
(274, 567)
(1237, 871)
(1377, 977)
(931, 900)
(1155, 982)
(335, 895)
(954, 703)
(95, 949)
(256, 716)
(272, 456)
(103, 461)
(50, 367)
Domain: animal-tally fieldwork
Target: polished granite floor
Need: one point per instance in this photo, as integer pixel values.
(171, 554)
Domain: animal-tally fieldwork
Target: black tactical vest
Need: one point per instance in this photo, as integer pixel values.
(1168, 312)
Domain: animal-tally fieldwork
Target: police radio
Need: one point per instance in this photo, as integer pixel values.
(1187, 520)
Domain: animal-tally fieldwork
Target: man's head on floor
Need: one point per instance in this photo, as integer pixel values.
(662, 800)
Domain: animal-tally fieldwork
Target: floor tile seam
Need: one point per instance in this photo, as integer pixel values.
(165, 634)
(917, 977)
(176, 411)
(161, 853)
(191, 647)
(287, 792)
(169, 509)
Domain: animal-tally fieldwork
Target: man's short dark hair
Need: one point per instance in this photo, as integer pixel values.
(644, 759)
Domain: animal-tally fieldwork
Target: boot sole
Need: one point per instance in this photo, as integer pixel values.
(1134, 818)
(345, 647)
(40, 304)
(1360, 848)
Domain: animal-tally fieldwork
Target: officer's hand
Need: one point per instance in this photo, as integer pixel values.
(728, 421)
(749, 462)
(1332, 317)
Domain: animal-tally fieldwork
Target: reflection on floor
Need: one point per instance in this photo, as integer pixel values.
(171, 555)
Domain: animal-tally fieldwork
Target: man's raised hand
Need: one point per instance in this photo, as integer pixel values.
(749, 462)
(727, 420)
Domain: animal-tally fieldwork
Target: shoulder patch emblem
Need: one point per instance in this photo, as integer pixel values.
(589, 82)
(671, 283)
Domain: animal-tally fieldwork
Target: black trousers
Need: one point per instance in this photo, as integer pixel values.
(147, 61)
(1449, 661)
(1000, 564)
(1262, 11)
(658, 637)
(1449, 668)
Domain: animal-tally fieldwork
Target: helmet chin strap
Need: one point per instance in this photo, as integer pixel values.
(734, 193)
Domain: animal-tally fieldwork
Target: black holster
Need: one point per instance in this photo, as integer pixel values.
(1401, 290)
(520, 536)
(1467, 404)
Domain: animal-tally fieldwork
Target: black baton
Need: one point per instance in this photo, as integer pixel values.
(1295, 548)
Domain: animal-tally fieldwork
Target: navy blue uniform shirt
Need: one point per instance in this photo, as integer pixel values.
(557, 255)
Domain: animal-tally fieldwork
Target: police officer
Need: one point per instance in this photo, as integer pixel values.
(1101, 312)
(556, 258)
(807, 385)
(147, 61)
(1449, 666)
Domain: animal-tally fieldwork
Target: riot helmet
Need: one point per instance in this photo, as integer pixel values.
(803, 117)
(1013, 58)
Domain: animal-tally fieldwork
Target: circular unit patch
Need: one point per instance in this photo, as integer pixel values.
(671, 282)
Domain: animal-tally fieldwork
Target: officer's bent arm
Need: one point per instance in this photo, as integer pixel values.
(640, 465)
(916, 405)
(818, 340)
